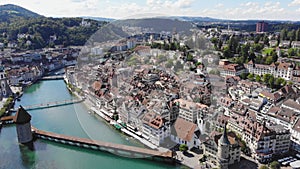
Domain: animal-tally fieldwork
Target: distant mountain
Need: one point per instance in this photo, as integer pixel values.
(245, 21)
(157, 24)
(11, 12)
(196, 19)
(98, 18)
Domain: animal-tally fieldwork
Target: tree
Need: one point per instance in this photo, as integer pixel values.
(252, 56)
(269, 60)
(274, 56)
(298, 34)
(244, 51)
(257, 78)
(275, 165)
(256, 39)
(190, 57)
(227, 53)
(291, 35)
(183, 147)
(291, 52)
(250, 76)
(214, 40)
(220, 44)
(266, 78)
(243, 75)
(263, 167)
(271, 81)
(280, 82)
(266, 40)
(258, 47)
(283, 34)
(233, 43)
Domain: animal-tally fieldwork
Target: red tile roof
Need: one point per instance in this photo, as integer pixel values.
(184, 129)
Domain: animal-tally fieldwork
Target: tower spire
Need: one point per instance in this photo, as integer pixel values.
(224, 138)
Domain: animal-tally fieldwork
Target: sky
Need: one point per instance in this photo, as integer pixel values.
(118, 9)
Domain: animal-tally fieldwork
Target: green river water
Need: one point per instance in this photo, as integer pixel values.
(73, 120)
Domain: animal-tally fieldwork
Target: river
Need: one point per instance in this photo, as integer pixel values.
(73, 120)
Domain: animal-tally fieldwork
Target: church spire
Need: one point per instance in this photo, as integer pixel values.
(224, 138)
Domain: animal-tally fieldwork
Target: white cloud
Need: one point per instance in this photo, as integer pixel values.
(77, 0)
(120, 9)
(183, 3)
(294, 3)
(219, 5)
(251, 10)
(249, 4)
(170, 3)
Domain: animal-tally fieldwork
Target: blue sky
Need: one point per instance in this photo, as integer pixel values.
(233, 9)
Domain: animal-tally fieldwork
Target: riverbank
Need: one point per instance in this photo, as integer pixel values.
(180, 158)
(72, 120)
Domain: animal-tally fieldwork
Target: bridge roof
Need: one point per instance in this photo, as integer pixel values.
(22, 116)
(167, 154)
(7, 118)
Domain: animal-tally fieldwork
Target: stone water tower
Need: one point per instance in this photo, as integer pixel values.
(22, 121)
(223, 150)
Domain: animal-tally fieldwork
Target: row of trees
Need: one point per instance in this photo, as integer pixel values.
(169, 46)
(291, 35)
(267, 79)
(293, 52)
(243, 53)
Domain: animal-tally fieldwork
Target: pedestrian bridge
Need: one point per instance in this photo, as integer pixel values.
(7, 119)
(54, 77)
(122, 150)
(50, 104)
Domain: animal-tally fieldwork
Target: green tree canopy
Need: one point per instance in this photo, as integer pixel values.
(250, 76)
(243, 75)
(227, 52)
(183, 147)
(257, 78)
(263, 167)
(266, 78)
(280, 82)
(275, 165)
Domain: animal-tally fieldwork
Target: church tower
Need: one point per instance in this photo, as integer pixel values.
(223, 150)
(22, 121)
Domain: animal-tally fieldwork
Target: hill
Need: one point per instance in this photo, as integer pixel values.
(9, 13)
(98, 18)
(157, 24)
(29, 30)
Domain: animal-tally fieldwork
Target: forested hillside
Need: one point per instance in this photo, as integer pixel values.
(32, 31)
